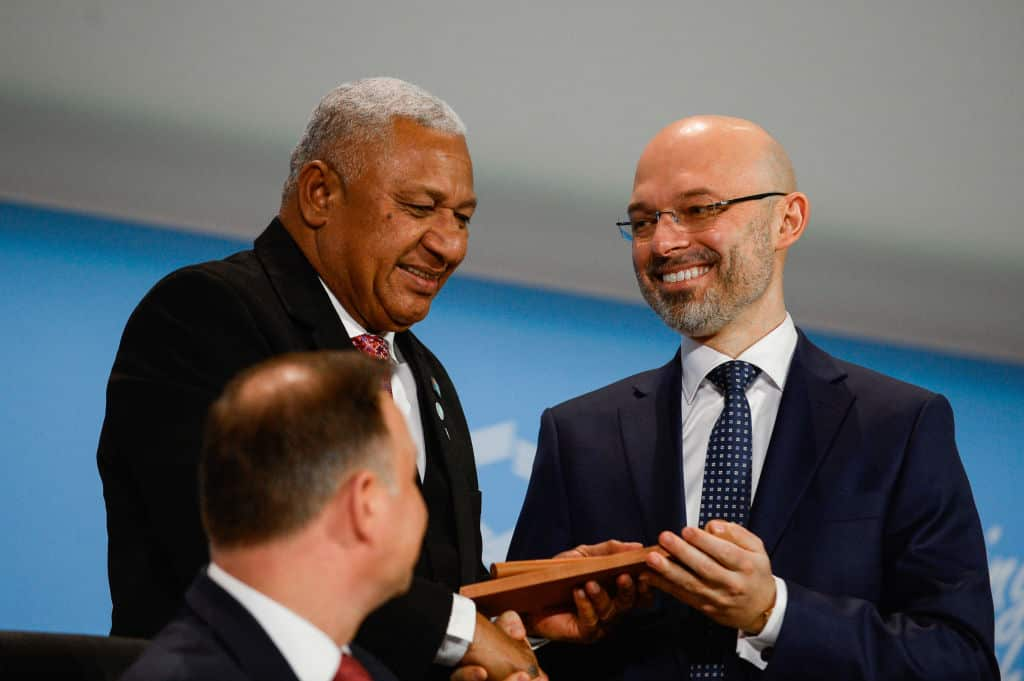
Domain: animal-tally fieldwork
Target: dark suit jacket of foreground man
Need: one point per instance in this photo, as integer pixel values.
(214, 638)
(192, 333)
(863, 507)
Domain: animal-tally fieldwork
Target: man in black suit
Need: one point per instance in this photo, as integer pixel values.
(306, 462)
(374, 218)
(829, 531)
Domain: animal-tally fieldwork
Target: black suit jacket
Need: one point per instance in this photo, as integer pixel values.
(214, 638)
(863, 507)
(194, 331)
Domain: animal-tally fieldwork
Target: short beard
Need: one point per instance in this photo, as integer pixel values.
(740, 284)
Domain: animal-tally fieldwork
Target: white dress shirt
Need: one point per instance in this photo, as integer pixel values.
(462, 621)
(701, 405)
(311, 653)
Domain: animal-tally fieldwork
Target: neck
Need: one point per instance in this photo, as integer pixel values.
(320, 588)
(751, 325)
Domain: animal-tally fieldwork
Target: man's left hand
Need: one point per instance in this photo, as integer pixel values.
(722, 571)
(594, 608)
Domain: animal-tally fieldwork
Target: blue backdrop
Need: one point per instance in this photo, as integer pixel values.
(69, 283)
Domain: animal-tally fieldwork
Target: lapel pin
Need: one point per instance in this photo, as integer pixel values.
(446, 433)
(440, 410)
(437, 388)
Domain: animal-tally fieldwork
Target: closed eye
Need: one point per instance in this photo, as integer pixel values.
(419, 209)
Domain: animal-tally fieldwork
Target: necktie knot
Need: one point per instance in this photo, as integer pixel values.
(372, 345)
(733, 376)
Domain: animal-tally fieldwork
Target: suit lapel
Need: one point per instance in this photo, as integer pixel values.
(651, 441)
(240, 633)
(814, 403)
(298, 287)
(444, 443)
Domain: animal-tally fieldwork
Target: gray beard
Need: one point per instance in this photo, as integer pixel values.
(740, 284)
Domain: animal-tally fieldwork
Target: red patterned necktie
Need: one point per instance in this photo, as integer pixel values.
(376, 347)
(351, 669)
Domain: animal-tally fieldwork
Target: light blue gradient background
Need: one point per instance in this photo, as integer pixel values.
(69, 283)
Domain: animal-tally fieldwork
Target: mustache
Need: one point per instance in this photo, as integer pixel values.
(659, 265)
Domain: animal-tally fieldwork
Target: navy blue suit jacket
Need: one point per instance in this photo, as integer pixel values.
(863, 506)
(214, 638)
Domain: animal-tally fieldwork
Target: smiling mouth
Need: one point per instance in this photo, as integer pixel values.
(685, 275)
(429, 275)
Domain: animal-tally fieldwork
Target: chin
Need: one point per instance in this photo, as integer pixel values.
(407, 315)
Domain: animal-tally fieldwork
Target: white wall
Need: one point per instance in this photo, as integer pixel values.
(903, 119)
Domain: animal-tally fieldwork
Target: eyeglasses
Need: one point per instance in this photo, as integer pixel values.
(692, 218)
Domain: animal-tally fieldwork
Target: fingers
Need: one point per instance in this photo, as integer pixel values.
(737, 534)
(510, 622)
(605, 548)
(644, 593)
(469, 673)
(610, 547)
(601, 601)
(586, 613)
(675, 579)
(625, 593)
(693, 553)
(473, 673)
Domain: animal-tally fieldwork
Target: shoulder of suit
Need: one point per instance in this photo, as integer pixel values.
(185, 649)
(882, 399)
(240, 275)
(610, 397)
(865, 381)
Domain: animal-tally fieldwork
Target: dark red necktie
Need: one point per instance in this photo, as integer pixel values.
(351, 669)
(376, 347)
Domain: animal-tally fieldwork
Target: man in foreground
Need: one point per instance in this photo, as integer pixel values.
(829, 530)
(373, 220)
(308, 498)
(306, 463)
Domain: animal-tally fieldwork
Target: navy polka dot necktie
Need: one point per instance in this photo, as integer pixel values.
(726, 490)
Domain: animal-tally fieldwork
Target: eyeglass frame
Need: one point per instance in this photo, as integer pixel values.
(626, 227)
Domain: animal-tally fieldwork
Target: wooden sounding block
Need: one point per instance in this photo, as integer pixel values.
(529, 586)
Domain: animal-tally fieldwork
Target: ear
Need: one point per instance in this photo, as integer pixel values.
(318, 188)
(367, 506)
(794, 220)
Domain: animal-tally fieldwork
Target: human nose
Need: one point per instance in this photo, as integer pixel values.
(447, 238)
(668, 234)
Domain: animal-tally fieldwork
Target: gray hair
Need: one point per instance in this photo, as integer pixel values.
(354, 114)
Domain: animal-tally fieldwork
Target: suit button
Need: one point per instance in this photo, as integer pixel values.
(766, 654)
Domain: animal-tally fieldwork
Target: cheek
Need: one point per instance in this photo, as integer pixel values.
(713, 239)
(641, 256)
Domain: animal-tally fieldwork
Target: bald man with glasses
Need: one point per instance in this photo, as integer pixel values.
(828, 527)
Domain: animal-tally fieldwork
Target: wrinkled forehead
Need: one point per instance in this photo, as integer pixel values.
(725, 164)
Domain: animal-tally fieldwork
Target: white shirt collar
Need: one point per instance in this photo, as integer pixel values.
(354, 328)
(771, 354)
(311, 653)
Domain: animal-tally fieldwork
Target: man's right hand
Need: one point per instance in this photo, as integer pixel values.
(499, 651)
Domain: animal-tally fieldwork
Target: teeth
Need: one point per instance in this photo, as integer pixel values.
(419, 272)
(685, 275)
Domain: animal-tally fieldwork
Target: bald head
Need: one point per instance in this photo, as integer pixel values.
(717, 148)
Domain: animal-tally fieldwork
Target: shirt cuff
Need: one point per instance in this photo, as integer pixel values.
(460, 633)
(758, 649)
